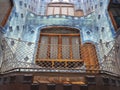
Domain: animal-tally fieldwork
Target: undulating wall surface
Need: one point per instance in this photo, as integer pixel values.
(28, 17)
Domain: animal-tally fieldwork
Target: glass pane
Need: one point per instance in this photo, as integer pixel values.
(71, 11)
(64, 10)
(43, 47)
(50, 11)
(65, 47)
(56, 10)
(76, 47)
(54, 47)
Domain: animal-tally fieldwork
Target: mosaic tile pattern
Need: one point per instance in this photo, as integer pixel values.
(28, 18)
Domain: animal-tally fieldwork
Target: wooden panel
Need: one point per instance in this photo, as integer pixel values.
(57, 79)
(79, 13)
(89, 56)
(85, 56)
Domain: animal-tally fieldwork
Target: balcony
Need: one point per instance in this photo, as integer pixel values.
(25, 59)
(59, 56)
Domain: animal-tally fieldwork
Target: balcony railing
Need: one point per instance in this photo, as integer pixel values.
(21, 56)
(59, 56)
(62, 64)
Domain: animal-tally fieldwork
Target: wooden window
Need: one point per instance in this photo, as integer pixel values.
(59, 47)
(60, 9)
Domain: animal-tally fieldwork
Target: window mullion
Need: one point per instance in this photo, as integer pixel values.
(80, 47)
(53, 10)
(67, 10)
(60, 10)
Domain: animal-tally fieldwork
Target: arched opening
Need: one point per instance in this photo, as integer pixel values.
(59, 47)
(89, 55)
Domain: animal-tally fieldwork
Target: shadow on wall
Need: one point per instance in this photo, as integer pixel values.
(114, 13)
(5, 9)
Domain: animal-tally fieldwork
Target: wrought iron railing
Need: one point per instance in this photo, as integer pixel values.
(59, 56)
(21, 56)
(62, 64)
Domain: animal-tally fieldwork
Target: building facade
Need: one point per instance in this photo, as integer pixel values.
(73, 42)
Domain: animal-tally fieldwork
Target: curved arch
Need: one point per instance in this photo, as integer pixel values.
(51, 26)
(61, 27)
(40, 27)
(61, 1)
(89, 41)
(89, 55)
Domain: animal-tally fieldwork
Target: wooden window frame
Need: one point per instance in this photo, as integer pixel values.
(60, 11)
(59, 44)
(60, 60)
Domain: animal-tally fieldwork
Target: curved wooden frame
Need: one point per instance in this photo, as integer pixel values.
(89, 55)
